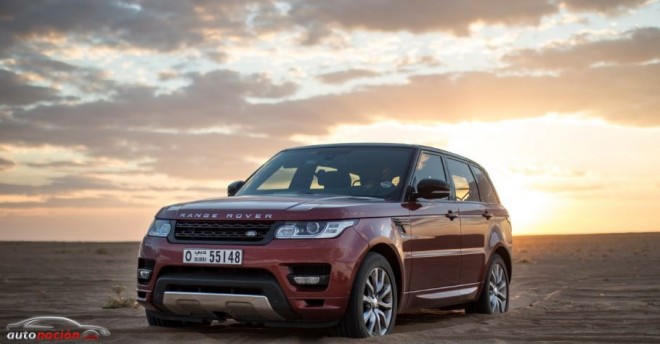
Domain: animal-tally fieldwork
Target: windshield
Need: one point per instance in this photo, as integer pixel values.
(352, 171)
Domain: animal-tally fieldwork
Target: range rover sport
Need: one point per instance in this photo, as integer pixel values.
(343, 235)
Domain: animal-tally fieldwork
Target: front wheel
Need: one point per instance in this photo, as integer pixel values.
(373, 302)
(495, 293)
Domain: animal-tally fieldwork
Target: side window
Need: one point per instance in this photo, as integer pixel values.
(486, 189)
(429, 166)
(464, 183)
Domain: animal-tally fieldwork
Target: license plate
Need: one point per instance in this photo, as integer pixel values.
(203, 256)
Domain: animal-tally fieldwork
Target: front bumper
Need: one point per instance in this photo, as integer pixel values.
(261, 301)
(260, 289)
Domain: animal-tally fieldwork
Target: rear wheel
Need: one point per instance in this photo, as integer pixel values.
(495, 292)
(373, 302)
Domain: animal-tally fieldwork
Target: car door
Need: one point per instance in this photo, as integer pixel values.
(435, 231)
(474, 221)
(496, 222)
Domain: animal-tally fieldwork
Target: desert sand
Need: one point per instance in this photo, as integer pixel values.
(582, 288)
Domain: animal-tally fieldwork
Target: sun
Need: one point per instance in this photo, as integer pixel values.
(528, 208)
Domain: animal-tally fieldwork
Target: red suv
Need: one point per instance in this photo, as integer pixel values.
(344, 235)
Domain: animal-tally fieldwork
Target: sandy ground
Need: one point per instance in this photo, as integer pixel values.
(591, 288)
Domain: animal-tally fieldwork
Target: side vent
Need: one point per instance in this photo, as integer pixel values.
(401, 223)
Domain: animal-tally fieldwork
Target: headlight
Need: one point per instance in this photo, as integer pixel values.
(160, 228)
(312, 229)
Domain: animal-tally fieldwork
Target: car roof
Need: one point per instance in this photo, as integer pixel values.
(387, 145)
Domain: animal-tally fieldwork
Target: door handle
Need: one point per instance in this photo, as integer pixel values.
(487, 215)
(451, 215)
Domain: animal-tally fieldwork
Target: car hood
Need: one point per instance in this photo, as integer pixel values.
(277, 208)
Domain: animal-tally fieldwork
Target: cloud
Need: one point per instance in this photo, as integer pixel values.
(168, 75)
(70, 188)
(6, 164)
(346, 75)
(214, 99)
(58, 186)
(158, 25)
(315, 33)
(169, 25)
(635, 46)
(194, 156)
(622, 94)
(211, 156)
(182, 134)
(187, 133)
(85, 112)
(86, 79)
(63, 164)
(163, 134)
(75, 202)
(417, 15)
(219, 57)
(34, 78)
(424, 60)
(15, 91)
(425, 16)
(602, 6)
(193, 132)
(229, 84)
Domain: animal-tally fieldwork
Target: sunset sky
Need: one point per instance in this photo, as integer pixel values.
(111, 109)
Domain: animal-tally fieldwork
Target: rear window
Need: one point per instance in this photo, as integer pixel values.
(486, 190)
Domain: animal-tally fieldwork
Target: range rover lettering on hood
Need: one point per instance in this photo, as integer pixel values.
(230, 216)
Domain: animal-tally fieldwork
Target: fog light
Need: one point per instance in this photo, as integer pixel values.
(144, 274)
(145, 270)
(307, 280)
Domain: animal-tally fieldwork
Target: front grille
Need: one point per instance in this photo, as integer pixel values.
(196, 279)
(222, 230)
(215, 271)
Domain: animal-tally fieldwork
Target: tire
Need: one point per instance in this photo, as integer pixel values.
(470, 308)
(374, 278)
(494, 296)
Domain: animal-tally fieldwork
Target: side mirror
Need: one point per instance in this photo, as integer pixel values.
(233, 188)
(433, 189)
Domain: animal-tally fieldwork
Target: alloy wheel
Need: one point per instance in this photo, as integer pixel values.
(498, 289)
(377, 302)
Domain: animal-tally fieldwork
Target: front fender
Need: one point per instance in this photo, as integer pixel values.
(385, 237)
